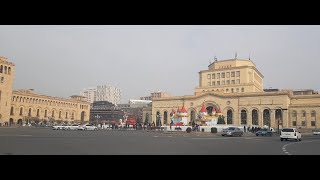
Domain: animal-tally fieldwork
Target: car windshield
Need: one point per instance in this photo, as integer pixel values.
(231, 128)
(287, 130)
(263, 129)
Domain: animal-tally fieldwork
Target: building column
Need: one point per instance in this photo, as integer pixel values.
(285, 122)
(273, 123)
(308, 119)
(260, 118)
(249, 118)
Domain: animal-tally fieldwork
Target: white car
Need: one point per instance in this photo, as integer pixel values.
(316, 132)
(58, 127)
(88, 127)
(72, 127)
(290, 133)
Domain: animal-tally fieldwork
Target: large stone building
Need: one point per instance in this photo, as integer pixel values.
(21, 106)
(235, 87)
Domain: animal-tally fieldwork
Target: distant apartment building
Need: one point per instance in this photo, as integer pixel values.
(157, 94)
(90, 94)
(108, 93)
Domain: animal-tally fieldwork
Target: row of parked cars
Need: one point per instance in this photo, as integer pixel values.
(75, 127)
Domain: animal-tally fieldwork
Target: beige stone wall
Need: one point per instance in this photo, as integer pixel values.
(6, 83)
(46, 107)
(270, 101)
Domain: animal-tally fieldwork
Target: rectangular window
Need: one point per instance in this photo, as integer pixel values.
(213, 76)
(209, 83)
(213, 83)
(228, 81)
(218, 75)
(222, 75)
(209, 76)
(313, 123)
(228, 74)
(238, 73)
(222, 82)
(303, 123)
(232, 74)
(294, 123)
(238, 81)
(218, 83)
(232, 81)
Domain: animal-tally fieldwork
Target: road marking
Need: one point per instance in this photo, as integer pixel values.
(155, 136)
(284, 146)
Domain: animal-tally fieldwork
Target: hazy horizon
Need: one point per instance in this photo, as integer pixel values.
(61, 61)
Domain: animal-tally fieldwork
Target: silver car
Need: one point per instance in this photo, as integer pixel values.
(232, 131)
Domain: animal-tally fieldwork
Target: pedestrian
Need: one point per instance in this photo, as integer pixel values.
(244, 128)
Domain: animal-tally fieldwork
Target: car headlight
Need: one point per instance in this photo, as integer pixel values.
(229, 132)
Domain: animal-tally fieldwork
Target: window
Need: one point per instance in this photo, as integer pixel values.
(213, 76)
(313, 123)
(209, 83)
(38, 113)
(238, 74)
(232, 81)
(2, 79)
(9, 70)
(303, 123)
(21, 111)
(242, 89)
(237, 89)
(11, 111)
(228, 74)
(232, 74)
(232, 90)
(1, 68)
(218, 75)
(222, 82)
(222, 75)
(45, 113)
(294, 123)
(238, 81)
(5, 69)
(218, 83)
(228, 81)
(213, 83)
(303, 114)
(209, 76)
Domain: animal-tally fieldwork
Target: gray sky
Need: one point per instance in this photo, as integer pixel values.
(62, 60)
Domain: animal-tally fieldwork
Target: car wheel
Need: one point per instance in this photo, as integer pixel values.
(257, 135)
(281, 139)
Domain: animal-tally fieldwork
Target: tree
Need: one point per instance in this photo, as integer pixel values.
(221, 120)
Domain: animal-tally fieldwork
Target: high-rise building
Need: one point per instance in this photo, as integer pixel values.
(108, 93)
(90, 94)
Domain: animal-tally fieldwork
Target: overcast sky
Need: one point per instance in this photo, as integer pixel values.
(62, 60)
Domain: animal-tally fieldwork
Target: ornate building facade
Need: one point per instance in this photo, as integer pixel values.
(235, 87)
(21, 106)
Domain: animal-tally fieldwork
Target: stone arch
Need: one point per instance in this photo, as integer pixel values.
(19, 122)
(244, 116)
(11, 122)
(21, 110)
(266, 116)
(165, 117)
(12, 110)
(255, 116)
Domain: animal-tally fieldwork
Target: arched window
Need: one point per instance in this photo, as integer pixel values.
(21, 111)
(193, 116)
(66, 115)
(229, 117)
(5, 69)
(232, 90)
(255, 117)
(313, 118)
(242, 89)
(243, 117)
(38, 110)
(29, 113)
(165, 117)
(1, 69)
(45, 113)
(59, 114)
(9, 70)
(266, 117)
(227, 90)
(52, 113)
(11, 111)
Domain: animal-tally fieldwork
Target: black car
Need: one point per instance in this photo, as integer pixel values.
(264, 132)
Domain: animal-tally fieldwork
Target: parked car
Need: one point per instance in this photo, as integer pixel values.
(88, 127)
(232, 131)
(316, 132)
(264, 132)
(72, 127)
(290, 133)
(58, 127)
